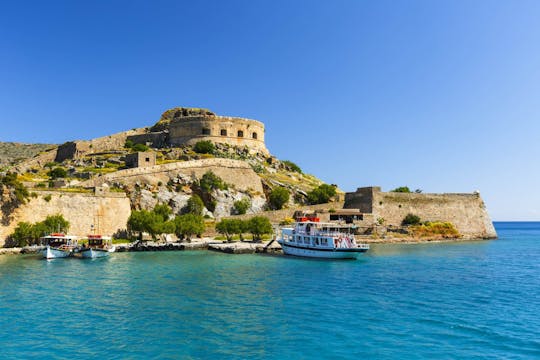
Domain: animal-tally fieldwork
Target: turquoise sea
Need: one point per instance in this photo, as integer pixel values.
(448, 300)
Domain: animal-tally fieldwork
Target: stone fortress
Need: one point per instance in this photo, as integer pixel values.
(187, 126)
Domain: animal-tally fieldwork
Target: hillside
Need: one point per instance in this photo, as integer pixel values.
(12, 153)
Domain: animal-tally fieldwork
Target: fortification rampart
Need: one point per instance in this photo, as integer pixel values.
(466, 211)
(80, 148)
(220, 129)
(108, 213)
(234, 172)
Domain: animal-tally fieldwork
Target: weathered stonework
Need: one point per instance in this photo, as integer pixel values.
(234, 172)
(466, 211)
(108, 213)
(178, 127)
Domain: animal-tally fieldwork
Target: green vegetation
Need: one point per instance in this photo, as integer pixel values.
(230, 227)
(47, 198)
(259, 225)
(411, 219)
(204, 147)
(139, 148)
(321, 194)
(19, 190)
(210, 181)
(278, 197)
(291, 166)
(57, 172)
(188, 225)
(402, 189)
(242, 206)
(155, 222)
(194, 205)
(28, 234)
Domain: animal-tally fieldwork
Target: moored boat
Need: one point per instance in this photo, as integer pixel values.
(311, 238)
(58, 245)
(98, 246)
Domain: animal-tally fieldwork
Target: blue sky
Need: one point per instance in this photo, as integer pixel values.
(438, 95)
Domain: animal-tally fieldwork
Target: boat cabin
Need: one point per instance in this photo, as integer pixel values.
(99, 242)
(57, 240)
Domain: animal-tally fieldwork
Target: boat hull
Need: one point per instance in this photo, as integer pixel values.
(93, 253)
(51, 253)
(321, 253)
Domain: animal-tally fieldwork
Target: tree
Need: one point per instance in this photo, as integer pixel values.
(188, 225)
(229, 227)
(55, 223)
(210, 181)
(242, 206)
(23, 234)
(194, 205)
(28, 234)
(204, 147)
(259, 225)
(163, 210)
(411, 219)
(57, 172)
(278, 197)
(402, 189)
(321, 194)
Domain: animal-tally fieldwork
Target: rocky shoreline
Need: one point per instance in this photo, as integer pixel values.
(267, 247)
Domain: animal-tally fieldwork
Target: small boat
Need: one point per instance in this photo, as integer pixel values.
(58, 245)
(311, 238)
(98, 246)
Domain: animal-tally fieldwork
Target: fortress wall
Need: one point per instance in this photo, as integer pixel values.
(79, 148)
(189, 130)
(111, 211)
(234, 172)
(466, 211)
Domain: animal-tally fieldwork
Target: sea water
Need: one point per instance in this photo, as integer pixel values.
(465, 300)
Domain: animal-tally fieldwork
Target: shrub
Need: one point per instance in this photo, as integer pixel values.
(57, 172)
(194, 205)
(291, 166)
(47, 198)
(278, 197)
(129, 144)
(210, 181)
(410, 219)
(242, 206)
(402, 189)
(321, 194)
(204, 147)
(287, 221)
(437, 228)
(140, 148)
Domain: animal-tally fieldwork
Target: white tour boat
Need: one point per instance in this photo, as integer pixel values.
(311, 238)
(98, 246)
(58, 245)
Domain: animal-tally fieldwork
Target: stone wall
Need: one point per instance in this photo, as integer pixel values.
(235, 172)
(466, 211)
(80, 148)
(110, 212)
